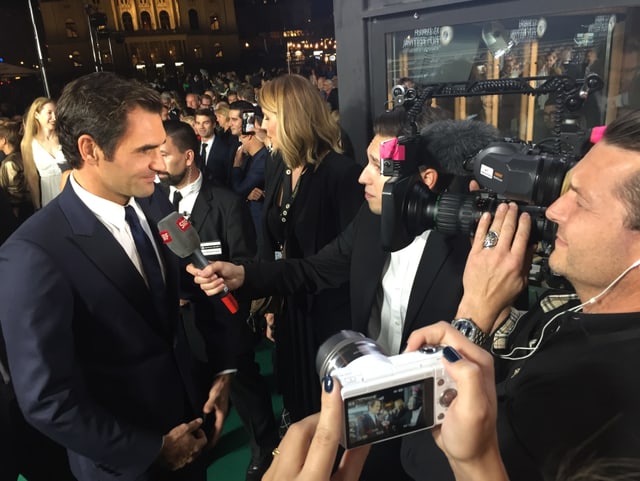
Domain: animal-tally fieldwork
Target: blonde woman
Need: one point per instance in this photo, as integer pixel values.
(222, 115)
(189, 119)
(41, 152)
(311, 195)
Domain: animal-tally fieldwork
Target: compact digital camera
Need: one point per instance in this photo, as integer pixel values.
(385, 396)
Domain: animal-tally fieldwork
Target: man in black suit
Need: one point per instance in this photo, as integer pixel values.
(213, 152)
(226, 231)
(89, 304)
(392, 294)
(368, 423)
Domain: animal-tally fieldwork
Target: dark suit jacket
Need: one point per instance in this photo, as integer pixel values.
(216, 167)
(366, 426)
(8, 221)
(246, 178)
(92, 367)
(220, 215)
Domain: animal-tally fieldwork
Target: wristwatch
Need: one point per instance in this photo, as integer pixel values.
(470, 330)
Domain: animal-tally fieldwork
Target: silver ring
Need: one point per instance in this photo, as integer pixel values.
(490, 240)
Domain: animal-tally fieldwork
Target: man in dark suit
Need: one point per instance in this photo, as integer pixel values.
(247, 176)
(213, 153)
(226, 231)
(89, 304)
(368, 423)
(392, 294)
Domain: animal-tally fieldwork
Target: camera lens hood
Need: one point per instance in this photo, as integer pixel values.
(342, 348)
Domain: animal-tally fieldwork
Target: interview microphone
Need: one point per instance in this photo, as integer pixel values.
(183, 240)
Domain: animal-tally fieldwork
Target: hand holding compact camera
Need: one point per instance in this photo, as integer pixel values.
(385, 396)
(466, 434)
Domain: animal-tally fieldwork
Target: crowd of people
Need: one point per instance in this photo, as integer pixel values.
(121, 353)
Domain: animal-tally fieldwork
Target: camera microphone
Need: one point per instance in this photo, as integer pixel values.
(183, 240)
(453, 143)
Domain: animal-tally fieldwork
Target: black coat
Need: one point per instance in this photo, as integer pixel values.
(327, 200)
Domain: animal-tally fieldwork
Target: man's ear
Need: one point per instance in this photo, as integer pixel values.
(430, 177)
(89, 150)
(191, 157)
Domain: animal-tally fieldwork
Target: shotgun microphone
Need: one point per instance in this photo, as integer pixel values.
(183, 240)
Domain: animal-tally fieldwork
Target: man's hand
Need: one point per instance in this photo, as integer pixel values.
(182, 445)
(218, 404)
(270, 319)
(256, 194)
(213, 278)
(493, 277)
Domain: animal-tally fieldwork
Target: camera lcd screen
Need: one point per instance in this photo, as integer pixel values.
(389, 413)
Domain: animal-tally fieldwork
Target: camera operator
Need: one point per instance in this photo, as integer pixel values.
(570, 364)
(570, 397)
(391, 294)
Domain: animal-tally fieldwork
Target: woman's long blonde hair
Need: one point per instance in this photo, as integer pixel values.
(306, 130)
(31, 129)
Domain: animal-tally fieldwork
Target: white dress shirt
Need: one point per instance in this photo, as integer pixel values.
(111, 215)
(397, 283)
(189, 195)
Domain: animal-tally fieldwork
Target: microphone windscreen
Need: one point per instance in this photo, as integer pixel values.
(451, 143)
(179, 235)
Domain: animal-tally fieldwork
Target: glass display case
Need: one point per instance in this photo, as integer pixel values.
(479, 57)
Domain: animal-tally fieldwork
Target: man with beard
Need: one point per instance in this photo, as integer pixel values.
(226, 231)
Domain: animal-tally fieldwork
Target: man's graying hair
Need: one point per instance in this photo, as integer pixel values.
(97, 104)
(624, 133)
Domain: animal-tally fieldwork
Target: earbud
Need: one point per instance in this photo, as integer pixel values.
(530, 350)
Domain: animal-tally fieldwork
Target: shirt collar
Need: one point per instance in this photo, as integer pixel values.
(106, 210)
(193, 187)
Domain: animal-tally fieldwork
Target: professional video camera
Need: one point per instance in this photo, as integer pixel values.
(506, 169)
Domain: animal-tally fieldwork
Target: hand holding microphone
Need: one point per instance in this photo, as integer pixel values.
(183, 240)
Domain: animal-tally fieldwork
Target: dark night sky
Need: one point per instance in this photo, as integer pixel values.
(17, 40)
(16, 33)
(17, 44)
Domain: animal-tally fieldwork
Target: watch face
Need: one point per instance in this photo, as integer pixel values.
(467, 329)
